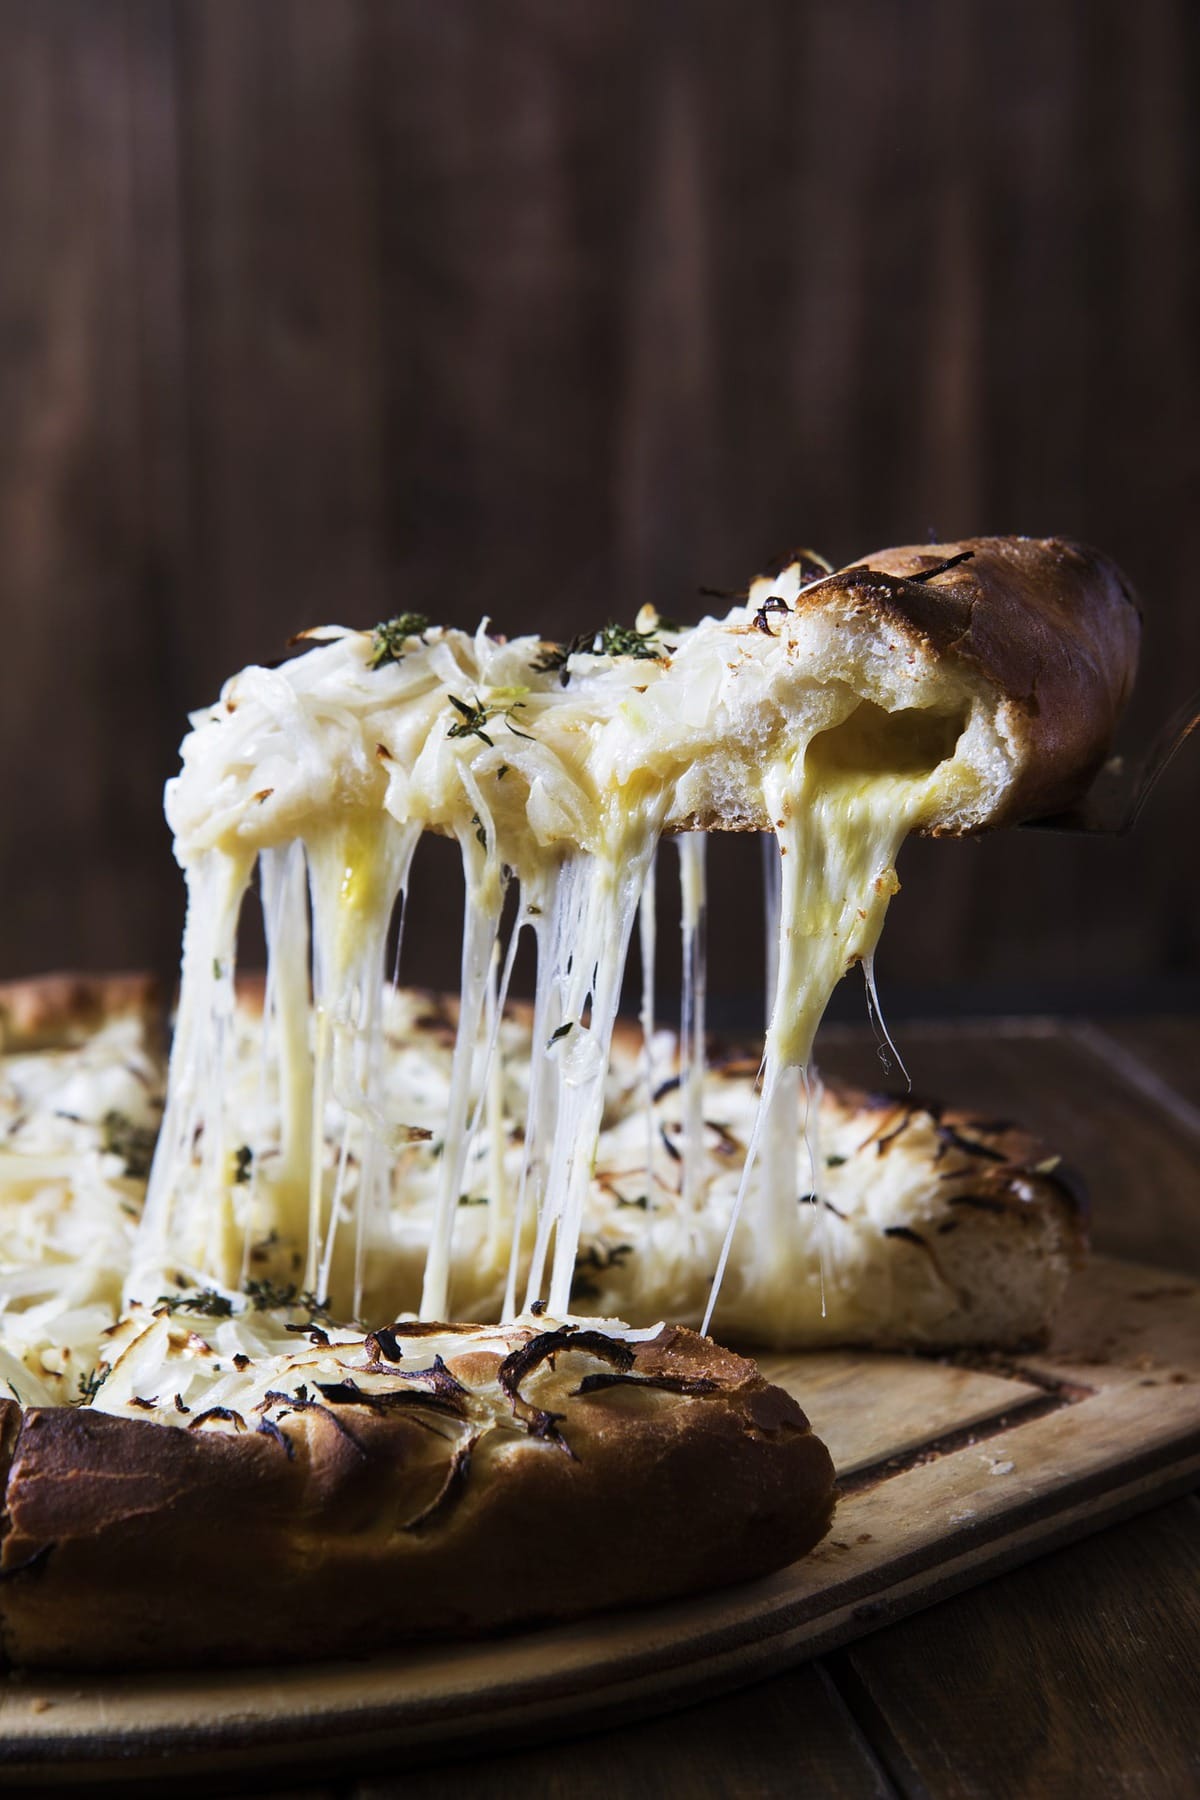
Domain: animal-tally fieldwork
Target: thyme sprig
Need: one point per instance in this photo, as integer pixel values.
(267, 1296)
(610, 640)
(133, 1143)
(90, 1385)
(389, 640)
(594, 1259)
(474, 716)
(207, 1301)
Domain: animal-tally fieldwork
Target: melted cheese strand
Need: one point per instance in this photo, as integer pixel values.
(769, 1078)
(283, 884)
(497, 999)
(647, 937)
(838, 838)
(692, 852)
(499, 1223)
(566, 779)
(539, 1101)
(813, 1089)
(481, 923)
(216, 886)
(772, 866)
(356, 872)
(561, 975)
(883, 1036)
(615, 889)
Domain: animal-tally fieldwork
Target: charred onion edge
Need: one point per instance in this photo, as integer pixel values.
(268, 1428)
(348, 1393)
(441, 1383)
(520, 1363)
(294, 1403)
(670, 1384)
(216, 1412)
(451, 1490)
(947, 1135)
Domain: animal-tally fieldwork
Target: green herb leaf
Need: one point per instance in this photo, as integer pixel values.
(134, 1144)
(473, 716)
(243, 1157)
(595, 1261)
(267, 1296)
(472, 722)
(90, 1384)
(389, 640)
(609, 640)
(206, 1301)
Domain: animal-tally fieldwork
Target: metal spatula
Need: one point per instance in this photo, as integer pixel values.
(1116, 797)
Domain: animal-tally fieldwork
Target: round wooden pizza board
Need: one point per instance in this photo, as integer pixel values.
(949, 1473)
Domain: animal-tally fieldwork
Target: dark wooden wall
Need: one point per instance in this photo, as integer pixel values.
(313, 309)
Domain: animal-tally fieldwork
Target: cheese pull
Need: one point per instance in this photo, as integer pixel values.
(938, 689)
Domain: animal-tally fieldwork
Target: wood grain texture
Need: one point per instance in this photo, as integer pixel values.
(796, 1735)
(1073, 1649)
(1076, 1675)
(84, 728)
(544, 309)
(930, 1505)
(1168, 1049)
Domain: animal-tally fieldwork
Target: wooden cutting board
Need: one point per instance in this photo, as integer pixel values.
(950, 1471)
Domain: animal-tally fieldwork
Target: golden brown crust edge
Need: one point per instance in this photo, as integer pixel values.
(1051, 623)
(43, 1012)
(135, 1544)
(995, 1157)
(1002, 1155)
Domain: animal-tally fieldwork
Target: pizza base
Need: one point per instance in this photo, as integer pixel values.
(220, 1495)
(530, 1475)
(934, 1229)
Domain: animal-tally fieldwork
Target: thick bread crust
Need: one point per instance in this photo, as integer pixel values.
(942, 1230)
(1013, 1223)
(1052, 624)
(45, 1012)
(999, 1156)
(141, 1544)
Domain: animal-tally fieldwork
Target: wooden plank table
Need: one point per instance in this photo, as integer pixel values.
(1078, 1673)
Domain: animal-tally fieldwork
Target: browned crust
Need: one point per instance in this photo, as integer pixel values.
(1052, 624)
(137, 1544)
(989, 1160)
(992, 1164)
(44, 1012)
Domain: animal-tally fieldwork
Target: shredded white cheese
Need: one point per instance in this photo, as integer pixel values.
(324, 1149)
